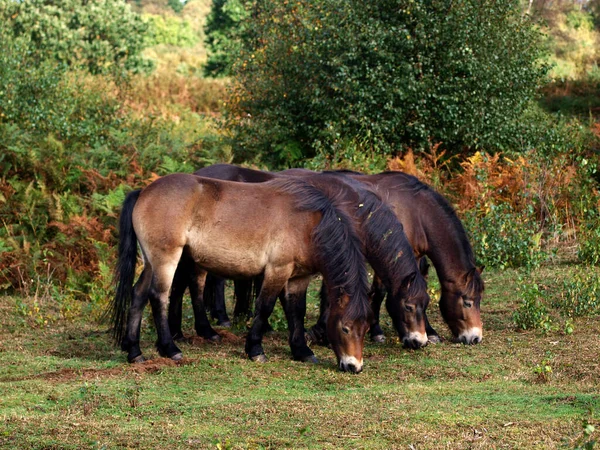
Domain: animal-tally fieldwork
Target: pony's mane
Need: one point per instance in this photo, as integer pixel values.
(337, 243)
(412, 183)
(387, 247)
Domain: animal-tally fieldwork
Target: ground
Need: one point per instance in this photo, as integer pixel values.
(65, 385)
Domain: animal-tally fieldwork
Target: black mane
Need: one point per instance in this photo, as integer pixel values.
(337, 243)
(387, 247)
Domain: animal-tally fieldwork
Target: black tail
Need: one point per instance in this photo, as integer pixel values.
(125, 271)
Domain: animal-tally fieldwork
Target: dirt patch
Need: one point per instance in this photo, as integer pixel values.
(227, 337)
(146, 367)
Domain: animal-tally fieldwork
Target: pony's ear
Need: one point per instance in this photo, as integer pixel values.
(343, 299)
(480, 269)
(408, 280)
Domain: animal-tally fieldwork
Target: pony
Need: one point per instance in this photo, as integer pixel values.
(434, 230)
(284, 230)
(385, 245)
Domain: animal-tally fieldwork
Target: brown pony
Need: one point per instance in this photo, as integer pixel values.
(286, 230)
(435, 231)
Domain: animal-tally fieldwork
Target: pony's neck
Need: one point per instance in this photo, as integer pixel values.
(449, 251)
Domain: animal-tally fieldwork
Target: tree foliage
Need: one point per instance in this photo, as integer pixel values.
(224, 25)
(315, 75)
(101, 35)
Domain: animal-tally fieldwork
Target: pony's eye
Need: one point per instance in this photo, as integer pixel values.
(409, 308)
(346, 330)
(467, 303)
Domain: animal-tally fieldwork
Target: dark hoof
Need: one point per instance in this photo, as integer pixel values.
(434, 339)
(379, 339)
(138, 359)
(259, 358)
(224, 324)
(312, 359)
(177, 357)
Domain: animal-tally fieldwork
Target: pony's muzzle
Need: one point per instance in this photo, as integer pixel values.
(415, 340)
(471, 336)
(350, 364)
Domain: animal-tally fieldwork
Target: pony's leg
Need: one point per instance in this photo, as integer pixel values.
(242, 291)
(432, 336)
(201, 322)
(131, 339)
(294, 305)
(218, 310)
(378, 292)
(180, 283)
(273, 283)
(318, 332)
(159, 301)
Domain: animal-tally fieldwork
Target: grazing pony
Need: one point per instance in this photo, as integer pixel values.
(286, 230)
(434, 230)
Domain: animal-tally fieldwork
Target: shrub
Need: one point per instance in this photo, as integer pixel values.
(170, 30)
(532, 313)
(392, 73)
(100, 35)
(502, 237)
(580, 295)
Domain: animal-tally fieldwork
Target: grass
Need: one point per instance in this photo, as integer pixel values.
(66, 386)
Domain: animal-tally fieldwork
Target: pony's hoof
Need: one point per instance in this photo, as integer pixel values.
(312, 359)
(138, 359)
(379, 339)
(224, 324)
(259, 358)
(177, 356)
(215, 338)
(434, 339)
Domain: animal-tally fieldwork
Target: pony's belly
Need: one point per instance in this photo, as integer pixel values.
(228, 264)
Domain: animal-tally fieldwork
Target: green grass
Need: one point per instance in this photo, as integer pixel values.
(67, 386)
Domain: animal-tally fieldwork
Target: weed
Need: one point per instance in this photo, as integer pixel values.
(532, 313)
(543, 370)
(132, 394)
(579, 296)
(89, 397)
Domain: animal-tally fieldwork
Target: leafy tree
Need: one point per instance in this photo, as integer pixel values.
(102, 35)
(315, 75)
(224, 25)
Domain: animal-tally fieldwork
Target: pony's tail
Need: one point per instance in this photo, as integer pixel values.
(125, 271)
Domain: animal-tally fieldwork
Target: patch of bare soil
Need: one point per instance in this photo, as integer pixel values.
(146, 367)
(227, 337)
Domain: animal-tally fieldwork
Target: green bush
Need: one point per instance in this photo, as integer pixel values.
(170, 31)
(392, 73)
(502, 237)
(580, 295)
(100, 35)
(532, 312)
(223, 29)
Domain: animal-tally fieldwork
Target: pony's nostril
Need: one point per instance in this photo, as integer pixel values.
(476, 340)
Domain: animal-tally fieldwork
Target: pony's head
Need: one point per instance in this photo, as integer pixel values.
(410, 302)
(346, 330)
(459, 305)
